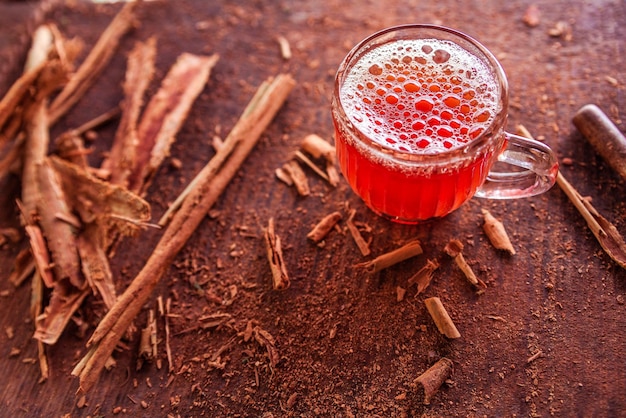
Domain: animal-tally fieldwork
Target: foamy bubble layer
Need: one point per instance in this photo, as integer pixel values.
(420, 96)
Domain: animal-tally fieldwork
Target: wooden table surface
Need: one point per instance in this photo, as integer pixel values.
(347, 347)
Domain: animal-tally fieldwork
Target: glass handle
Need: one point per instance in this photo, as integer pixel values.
(525, 168)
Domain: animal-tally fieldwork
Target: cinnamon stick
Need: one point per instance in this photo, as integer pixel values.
(441, 318)
(431, 380)
(201, 197)
(324, 226)
(495, 231)
(383, 261)
(424, 276)
(356, 234)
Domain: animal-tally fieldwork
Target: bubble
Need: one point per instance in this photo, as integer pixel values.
(418, 125)
(452, 101)
(433, 121)
(411, 87)
(427, 49)
(370, 85)
(397, 124)
(381, 92)
(390, 140)
(375, 70)
(423, 143)
(406, 59)
(446, 114)
(391, 99)
(482, 116)
(445, 132)
(441, 56)
(424, 104)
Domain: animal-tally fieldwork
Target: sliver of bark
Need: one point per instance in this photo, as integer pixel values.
(165, 114)
(96, 61)
(56, 222)
(64, 301)
(95, 263)
(98, 200)
(140, 70)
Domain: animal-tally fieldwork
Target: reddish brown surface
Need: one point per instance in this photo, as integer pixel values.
(347, 347)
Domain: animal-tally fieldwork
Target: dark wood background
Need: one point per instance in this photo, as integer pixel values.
(347, 347)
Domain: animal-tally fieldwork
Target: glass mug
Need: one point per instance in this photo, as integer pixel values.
(419, 114)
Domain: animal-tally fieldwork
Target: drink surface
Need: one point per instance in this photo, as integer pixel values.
(423, 96)
(416, 97)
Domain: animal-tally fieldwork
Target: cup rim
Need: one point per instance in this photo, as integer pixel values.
(473, 146)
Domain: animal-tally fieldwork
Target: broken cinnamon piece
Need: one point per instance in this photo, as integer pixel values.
(285, 49)
(206, 189)
(168, 349)
(139, 72)
(53, 211)
(95, 264)
(300, 156)
(148, 341)
(40, 253)
(383, 261)
(356, 234)
(280, 277)
(94, 63)
(424, 276)
(267, 340)
(495, 231)
(431, 380)
(454, 249)
(165, 113)
(97, 200)
(293, 169)
(605, 232)
(319, 148)
(324, 226)
(284, 176)
(441, 318)
(23, 267)
(603, 135)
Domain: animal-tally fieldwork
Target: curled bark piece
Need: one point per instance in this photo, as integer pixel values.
(280, 278)
(497, 233)
(324, 226)
(293, 169)
(431, 380)
(454, 249)
(408, 250)
(442, 319)
(424, 276)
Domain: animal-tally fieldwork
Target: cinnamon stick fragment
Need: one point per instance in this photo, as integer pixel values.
(605, 232)
(319, 148)
(603, 135)
(356, 234)
(441, 318)
(164, 115)
(121, 159)
(497, 233)
(95, 62)
(424, 276)
(206, 189)
(383, 261)
(293, 169)
(454, 249)
(280, 278)
(324, 226)
(431, 380)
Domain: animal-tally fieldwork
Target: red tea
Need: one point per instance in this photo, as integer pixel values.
(416, 100)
